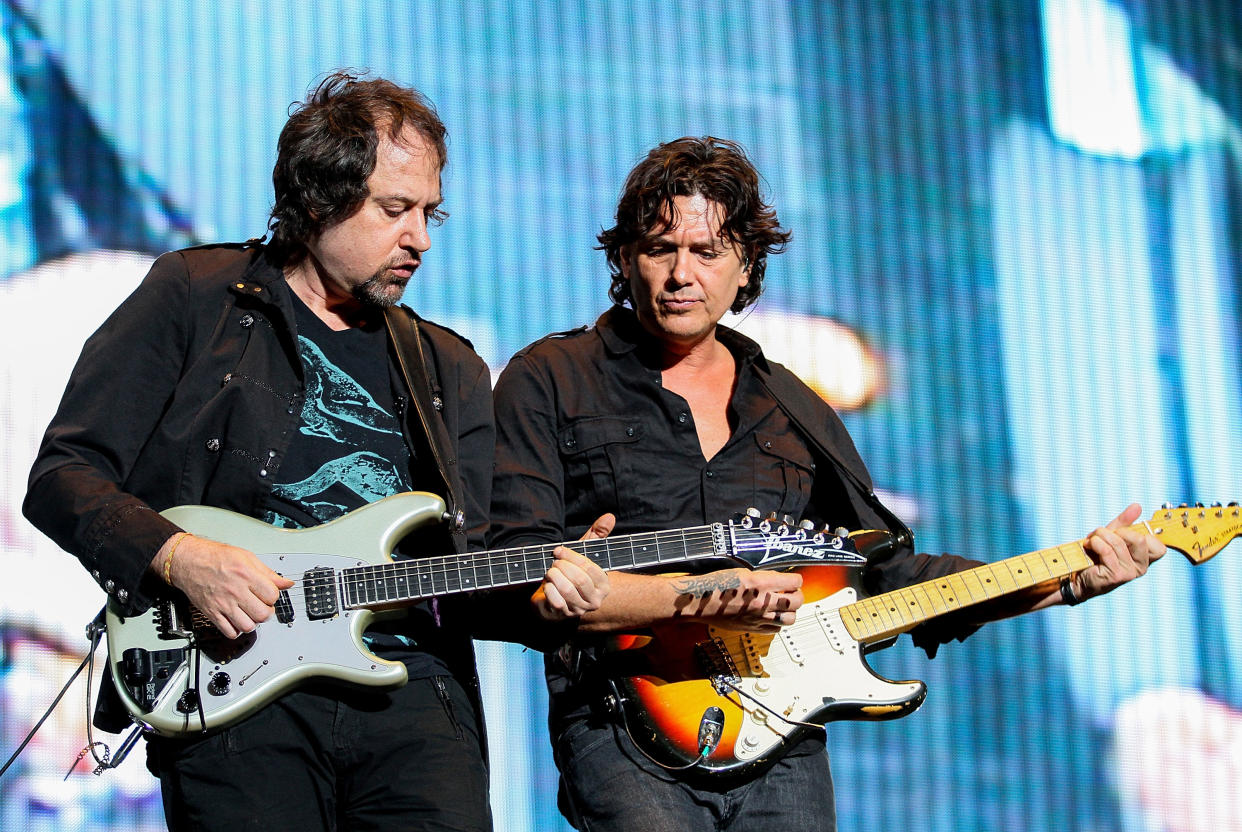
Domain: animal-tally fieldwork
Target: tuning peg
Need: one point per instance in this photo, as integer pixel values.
(1167, 506)
(753, 512)
(806, 525)
(841, 531)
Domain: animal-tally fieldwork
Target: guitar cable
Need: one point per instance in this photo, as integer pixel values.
(721, 682)
(94, 634)
(711, 726)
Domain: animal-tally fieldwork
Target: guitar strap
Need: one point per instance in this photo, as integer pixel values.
(424, 388)
(802, 417)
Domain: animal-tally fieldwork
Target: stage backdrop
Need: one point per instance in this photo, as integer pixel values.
(1015, 270)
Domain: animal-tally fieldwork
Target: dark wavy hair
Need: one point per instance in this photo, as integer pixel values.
(719, 171)
(326, 153)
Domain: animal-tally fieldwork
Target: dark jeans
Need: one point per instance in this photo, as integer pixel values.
(334, 759)
(607, 785)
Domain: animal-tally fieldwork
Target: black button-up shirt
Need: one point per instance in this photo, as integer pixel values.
(586, 427)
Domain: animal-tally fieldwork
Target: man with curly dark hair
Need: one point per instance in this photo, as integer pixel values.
(664, 419)
(284, 382)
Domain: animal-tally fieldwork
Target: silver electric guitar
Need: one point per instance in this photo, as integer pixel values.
(177, 674)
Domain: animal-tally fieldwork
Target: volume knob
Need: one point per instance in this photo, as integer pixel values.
(219, 684)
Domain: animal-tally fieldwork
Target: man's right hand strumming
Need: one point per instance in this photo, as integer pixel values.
(232, 587)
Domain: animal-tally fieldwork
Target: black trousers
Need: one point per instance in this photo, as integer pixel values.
(331, 758)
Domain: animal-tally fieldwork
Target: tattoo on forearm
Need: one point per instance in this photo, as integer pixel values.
(704, 585)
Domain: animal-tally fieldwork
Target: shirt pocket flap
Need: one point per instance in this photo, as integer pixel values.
(596, 431)
(786, 446)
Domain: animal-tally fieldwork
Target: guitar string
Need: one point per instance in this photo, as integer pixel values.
(454, 573)
(444, 567)
(436, 574)
(438, 569)
(492, 563)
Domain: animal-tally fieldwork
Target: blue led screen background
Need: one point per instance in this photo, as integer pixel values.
(1015, 269)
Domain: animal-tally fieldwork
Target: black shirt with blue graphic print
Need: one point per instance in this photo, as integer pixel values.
(350, 451)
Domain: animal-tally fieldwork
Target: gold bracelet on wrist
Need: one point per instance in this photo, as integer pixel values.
(168, 558)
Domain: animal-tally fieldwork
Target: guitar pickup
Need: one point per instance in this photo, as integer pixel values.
(319, 588)
(284, 608)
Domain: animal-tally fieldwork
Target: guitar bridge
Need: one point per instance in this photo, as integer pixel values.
(717, 665)
(169, 623)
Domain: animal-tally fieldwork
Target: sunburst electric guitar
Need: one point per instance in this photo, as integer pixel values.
(178, 675)
(772, 689)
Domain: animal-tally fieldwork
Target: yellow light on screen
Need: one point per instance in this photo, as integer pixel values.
(831, 358)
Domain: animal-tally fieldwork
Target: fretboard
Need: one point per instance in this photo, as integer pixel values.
(412, 580)
(883, 616)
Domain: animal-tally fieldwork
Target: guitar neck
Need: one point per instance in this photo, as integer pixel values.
(892, 613)
(406, 581)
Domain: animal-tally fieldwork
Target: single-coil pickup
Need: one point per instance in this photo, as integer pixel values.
(787, 638)
(830, 621)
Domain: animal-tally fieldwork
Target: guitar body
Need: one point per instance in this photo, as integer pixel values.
(774, 688)
(811, 672)
(177, 674)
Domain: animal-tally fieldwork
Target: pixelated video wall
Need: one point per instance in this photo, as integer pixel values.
(1015, 271)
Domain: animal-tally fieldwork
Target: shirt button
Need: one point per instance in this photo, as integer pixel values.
(569, 443)
(683, 417)
(227, 378)
(262, 472)
(212, 444)
(247, 320)
(122, 595)
(767, 444)
(629, 431)
(109, 585)
(271, 454)
(711, 474)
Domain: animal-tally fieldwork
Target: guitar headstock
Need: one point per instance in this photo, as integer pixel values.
(766, 542)
(1198, 531)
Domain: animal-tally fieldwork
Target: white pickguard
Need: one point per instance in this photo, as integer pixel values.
(789, 673)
